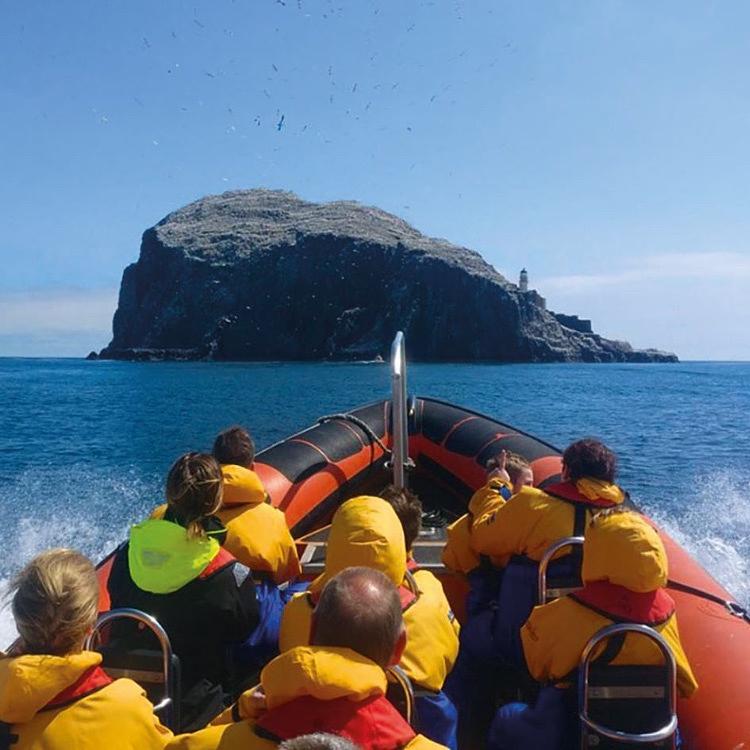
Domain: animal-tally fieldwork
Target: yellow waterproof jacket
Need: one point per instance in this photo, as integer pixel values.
(622, 553)
(366, 531)
(116, 715)
(257, 533)
(323, 673)
(458, 554)
(533, 519)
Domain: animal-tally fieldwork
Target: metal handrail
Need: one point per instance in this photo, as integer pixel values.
(658, 735)
(399, 677)
(166, 704)
(549, 553)
(399, 424)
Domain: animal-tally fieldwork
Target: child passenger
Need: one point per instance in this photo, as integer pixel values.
(176, 569)
(53, 694)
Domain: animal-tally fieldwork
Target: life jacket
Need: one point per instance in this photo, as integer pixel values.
(162, 558)
(619, 604)
(89, 682)
(366, 531)
(68, 701)
(371, 724)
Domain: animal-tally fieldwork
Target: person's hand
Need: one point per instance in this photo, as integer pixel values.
(252, 704)
(496, 467)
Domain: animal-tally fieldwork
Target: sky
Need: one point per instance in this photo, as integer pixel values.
(603, 145)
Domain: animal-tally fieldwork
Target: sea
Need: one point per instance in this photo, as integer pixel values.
(85, 446)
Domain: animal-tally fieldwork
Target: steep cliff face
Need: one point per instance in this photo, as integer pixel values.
(261, 274)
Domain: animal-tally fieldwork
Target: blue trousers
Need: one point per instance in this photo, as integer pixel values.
(518, 726)
(437, 718)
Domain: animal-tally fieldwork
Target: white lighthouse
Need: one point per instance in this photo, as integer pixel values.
(523, 281)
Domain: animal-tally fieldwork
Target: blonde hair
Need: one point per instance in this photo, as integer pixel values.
(195, 486)
(515, 464)
(55, 602)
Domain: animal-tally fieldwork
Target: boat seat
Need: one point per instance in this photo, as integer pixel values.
(157, 671)
(427, 550)
(551, 587)
(623, 706)
(400, 693)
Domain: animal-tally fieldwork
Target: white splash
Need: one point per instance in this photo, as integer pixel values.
(713, 524)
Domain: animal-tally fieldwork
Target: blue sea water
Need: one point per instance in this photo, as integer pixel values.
(85, 446)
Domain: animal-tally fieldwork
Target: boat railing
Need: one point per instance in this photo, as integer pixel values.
(545, 594)
(660, 692)
(166, 708)
(399, 412)
(400, 693)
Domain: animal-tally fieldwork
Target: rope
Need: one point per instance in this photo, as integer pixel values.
(732, 607)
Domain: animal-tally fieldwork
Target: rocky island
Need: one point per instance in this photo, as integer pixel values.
(264, 275)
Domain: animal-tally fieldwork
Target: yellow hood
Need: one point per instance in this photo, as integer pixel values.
(598, 489)
(242, 486)
(28, 683)
(623, 548)
(365, 531)
(323, 672)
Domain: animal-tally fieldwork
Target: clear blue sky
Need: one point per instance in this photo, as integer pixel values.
(603, 145)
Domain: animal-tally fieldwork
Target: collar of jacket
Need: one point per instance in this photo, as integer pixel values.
(29, 682)
(323, 672)
(588, 491)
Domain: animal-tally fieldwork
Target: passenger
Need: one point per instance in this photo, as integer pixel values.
(523, 528)
(335, 685)
(507, 474)
(366, 531)
(175, 569)
(257, 533)
(435, 709)
(624, 572)
(318, 741)
(53, 694)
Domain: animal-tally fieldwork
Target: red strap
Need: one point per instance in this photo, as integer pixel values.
(412, 565)
(222, 560)
(623, 605)
(371, 724)
(90, 681)
(568, 491)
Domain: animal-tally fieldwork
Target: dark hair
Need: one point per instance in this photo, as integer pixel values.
(234, 446)
(590, 458)
(408, 508)
(194, 489)
(359, 609)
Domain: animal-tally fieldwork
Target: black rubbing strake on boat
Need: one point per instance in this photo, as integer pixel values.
(296, 461)
(469, 437)
(525, 446)
(439, 419)
(374, 415)
(335, 439)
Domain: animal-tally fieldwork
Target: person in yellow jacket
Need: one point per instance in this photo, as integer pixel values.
(53, 694)
(624, 574)
(522, 529)
(257, 533)
(366, 531)
(435, 710)
(336, 685)
(507, 474)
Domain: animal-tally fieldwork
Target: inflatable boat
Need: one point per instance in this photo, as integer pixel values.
(440, 450)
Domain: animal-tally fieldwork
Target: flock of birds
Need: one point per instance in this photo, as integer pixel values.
(348, 97)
